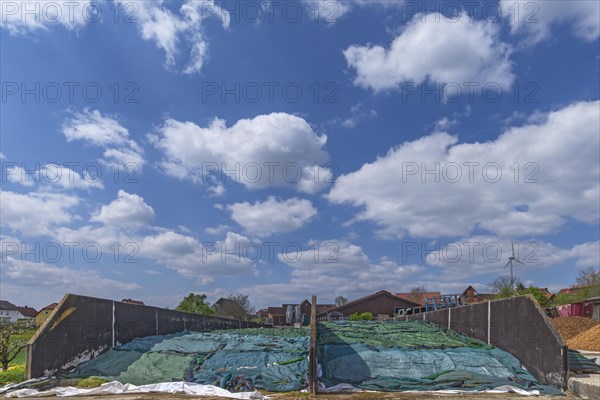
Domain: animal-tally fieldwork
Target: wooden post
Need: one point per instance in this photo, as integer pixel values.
(312, 352)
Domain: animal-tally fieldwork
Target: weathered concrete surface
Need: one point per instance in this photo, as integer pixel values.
(81, 328)
(516, 325)
(585, 386)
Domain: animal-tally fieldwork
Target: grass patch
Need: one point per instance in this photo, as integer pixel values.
(20, 358)
(90, 382)
(12, 375)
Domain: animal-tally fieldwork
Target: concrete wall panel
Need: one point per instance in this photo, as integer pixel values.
(516, 325)
(80, 328)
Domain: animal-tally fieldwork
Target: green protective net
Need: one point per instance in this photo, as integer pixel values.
(240, 360)
(414, 355)
(414, 334)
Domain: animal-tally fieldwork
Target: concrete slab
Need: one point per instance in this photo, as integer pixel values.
(585, 386)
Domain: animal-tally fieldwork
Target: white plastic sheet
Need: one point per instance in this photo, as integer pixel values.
(119, 388)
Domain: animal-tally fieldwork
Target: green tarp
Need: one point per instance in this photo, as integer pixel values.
(240, 360)
(414, 355)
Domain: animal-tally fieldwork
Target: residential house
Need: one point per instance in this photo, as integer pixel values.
(276, 315)
(381, 304)
(470, 296)
(576, 289)
(547, 294)
(43, 314)
(12, 313)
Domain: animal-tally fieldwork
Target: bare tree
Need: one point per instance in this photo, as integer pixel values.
(340, 301)
(503, 282)
(417, 293)
(13, 339)
(590, 277)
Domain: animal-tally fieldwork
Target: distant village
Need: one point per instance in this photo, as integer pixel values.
(381, 305)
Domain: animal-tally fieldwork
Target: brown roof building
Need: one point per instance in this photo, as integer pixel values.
(473, 296)
(381, 304)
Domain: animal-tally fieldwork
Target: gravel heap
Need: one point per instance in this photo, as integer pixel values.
(570, 327)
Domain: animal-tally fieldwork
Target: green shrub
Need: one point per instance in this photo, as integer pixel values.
(12, 375)
(366, 316)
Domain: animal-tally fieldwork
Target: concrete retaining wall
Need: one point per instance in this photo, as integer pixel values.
(516, 325)
(81, 328)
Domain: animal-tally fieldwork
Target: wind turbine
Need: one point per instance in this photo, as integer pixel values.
(510, 262)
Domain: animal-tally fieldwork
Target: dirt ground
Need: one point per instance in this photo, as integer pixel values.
(355, 396)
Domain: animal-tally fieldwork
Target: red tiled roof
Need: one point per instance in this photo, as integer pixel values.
(573, 289)
(546, 293)
(27, 311)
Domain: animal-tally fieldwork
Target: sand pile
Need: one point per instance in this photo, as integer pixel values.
(570, 327)
(588, 340)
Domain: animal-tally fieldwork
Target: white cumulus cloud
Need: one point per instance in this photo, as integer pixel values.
(28, 17)
(549, 172)
(273, 150)
(272, 215)
(35, 214)
(128, 210)
(536, 18)
(435, 48)
(103, 131)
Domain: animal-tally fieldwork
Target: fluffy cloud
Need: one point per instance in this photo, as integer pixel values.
(330, 11)
(277, 149)
(340, 268)
(166, 29)
(536, 18)
(26, 282)
(558, 178)
(272, 215)
(156, 22)
(128, 210)
(50, 176)
(480, 255)
(23, 18)
(103, 131)
(435, 48)
(35, 214)
(202, 262)
(126, 221)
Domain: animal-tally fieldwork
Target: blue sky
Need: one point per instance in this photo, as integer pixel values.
(342, 107)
